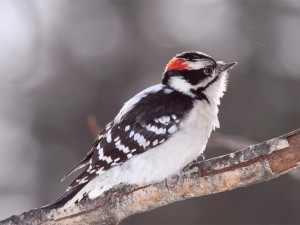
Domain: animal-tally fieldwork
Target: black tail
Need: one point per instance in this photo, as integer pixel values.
(62, 200)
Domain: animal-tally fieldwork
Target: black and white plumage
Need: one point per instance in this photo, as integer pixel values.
(135, 130)
(157, 132)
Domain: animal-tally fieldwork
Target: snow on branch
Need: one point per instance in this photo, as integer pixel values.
(255, 164)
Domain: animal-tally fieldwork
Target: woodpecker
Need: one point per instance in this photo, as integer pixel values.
(157, 132)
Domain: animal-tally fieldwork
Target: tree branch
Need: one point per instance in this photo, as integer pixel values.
(252, 165)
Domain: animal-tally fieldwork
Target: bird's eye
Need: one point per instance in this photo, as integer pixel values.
(208, 70)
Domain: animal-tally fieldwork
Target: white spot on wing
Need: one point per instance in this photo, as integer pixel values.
(108, 160)
(131, 134)
(136, 136)
(147, 144)
(164, 120)
(122, 147)
(155, 142)
(103, 157)
(127, 128)
(162, 130)
(141, 141)
(116, 139)
(101, 154)
(155, 129)
(172, 129)
(98, 146)
(162, 140)
(108, 136)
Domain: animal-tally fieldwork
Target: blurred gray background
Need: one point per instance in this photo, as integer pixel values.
(63, 61)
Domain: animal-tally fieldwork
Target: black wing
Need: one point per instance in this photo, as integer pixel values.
(151, 122)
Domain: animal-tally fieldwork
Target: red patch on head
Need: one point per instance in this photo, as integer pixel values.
(177, 64)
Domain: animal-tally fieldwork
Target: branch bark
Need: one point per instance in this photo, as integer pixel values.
(255, 164)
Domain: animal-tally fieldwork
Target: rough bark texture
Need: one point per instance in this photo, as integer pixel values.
(257, 163)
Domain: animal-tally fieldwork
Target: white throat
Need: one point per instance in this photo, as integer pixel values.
(216, 90)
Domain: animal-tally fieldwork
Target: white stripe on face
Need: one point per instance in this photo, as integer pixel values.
(199, 64)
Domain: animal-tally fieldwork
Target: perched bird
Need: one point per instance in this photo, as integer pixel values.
(157, 132)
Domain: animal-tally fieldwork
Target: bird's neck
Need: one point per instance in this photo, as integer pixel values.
(215, 91)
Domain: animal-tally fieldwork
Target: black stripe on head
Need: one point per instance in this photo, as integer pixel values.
(193, 56)
(194, 77)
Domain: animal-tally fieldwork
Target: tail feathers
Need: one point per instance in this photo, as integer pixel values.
(67, 196)
(92, 190)
(75, 168)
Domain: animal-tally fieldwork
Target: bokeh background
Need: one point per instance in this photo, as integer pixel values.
(65, 61)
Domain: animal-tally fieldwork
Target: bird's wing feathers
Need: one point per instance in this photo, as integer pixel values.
(122, 141)
(144, 122)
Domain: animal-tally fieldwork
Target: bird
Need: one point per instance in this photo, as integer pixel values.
(157, 132)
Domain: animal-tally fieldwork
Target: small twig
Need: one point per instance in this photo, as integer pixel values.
(93, 125)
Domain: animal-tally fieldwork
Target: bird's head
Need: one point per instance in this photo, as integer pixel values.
(195, 74)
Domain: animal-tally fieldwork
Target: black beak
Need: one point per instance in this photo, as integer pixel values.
(221, 66)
